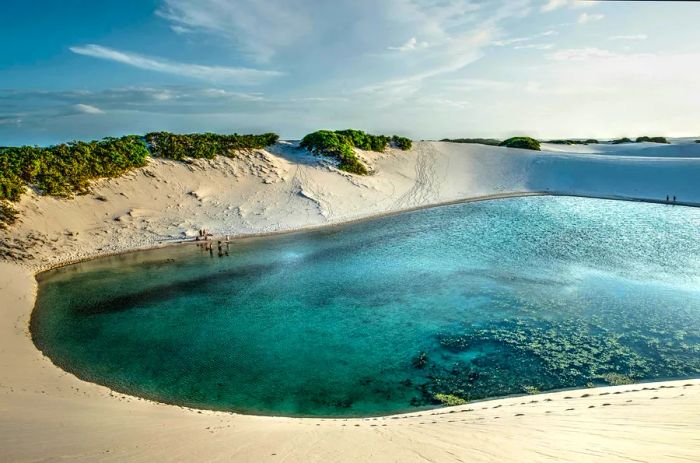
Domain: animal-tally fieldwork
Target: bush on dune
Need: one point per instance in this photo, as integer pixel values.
(573, 142)
(341, 144)
(527, 143)
(402, 143)
(204, 145)
(8, 214)
(651, 140)
(620, 141)
(68, 168)
(477, 141)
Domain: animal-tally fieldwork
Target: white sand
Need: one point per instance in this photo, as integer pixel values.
(47, 414)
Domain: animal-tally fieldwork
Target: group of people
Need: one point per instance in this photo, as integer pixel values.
(670, 199)
(208, 245)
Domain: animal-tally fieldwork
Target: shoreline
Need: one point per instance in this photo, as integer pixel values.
(493, 197)
(185, 241)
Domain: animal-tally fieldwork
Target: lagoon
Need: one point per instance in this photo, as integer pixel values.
(394, 314)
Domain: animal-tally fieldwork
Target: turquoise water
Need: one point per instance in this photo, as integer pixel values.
(473, 300)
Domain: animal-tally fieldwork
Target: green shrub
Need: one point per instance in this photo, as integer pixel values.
(591, 141)
(204, 145)
(8, 214)
(651, 140)
(478, 141)
(340, 145)
(527, 143)
(365, 141)
(572, 142)
(619, 141)
(62, 170)
(401, 143)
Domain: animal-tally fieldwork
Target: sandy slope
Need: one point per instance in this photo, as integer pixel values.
(47, 414)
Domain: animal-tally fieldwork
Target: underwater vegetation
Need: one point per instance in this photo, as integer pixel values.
(606, 349)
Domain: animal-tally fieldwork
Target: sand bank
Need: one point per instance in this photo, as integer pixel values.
(47, 414)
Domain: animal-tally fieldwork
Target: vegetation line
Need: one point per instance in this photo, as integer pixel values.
(66, 169)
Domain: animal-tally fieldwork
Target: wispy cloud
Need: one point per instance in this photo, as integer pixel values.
(410, 45)
(517, 40)
(87, 109)
(258, 28)
(629, 37)
(581, 54)
(448, 57)
(535, 46)
(585, 18)
(235, 75)
(551, 5)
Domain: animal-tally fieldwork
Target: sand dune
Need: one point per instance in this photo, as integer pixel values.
(47, 414)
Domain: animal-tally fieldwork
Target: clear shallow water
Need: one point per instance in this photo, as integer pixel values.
(474, 300)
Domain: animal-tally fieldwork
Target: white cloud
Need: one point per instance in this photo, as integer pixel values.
(581, 54)
(87, 109)
(410, 45)
(586, 18)
(629, 37)
(515, 40)
(552, 5)
(535, 46)
(233, 75)
(258, 28)
(454, 54)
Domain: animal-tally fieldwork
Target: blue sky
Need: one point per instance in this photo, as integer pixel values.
(424, 68)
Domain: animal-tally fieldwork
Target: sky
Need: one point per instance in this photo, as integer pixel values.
(427, 69)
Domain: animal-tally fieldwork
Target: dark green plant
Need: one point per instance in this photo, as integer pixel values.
(401, 143)
(8, 215)
(527, 143)
(591, 141)
(420, 361)
(651, 140)
(204, 145)
(572, 142)
(340, 145)
(619, 141)
(560, 142)
(65, 169)
(478, 141)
